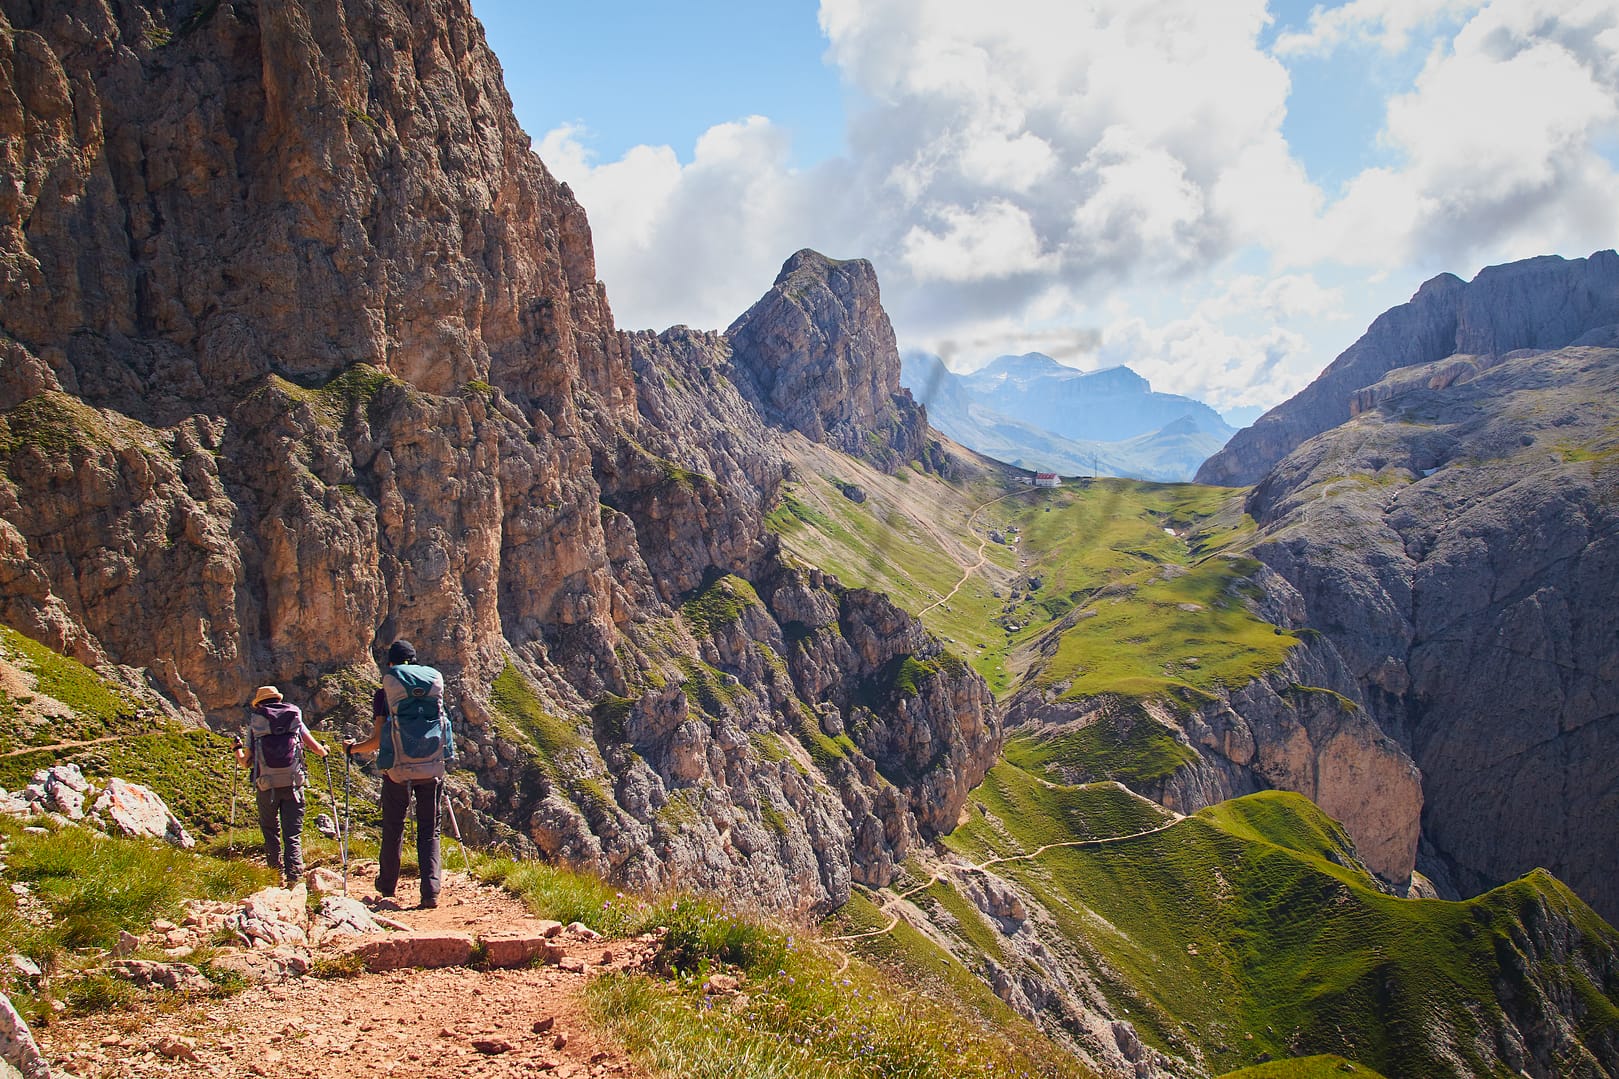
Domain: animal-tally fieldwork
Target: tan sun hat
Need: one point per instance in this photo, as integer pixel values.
(265, 693)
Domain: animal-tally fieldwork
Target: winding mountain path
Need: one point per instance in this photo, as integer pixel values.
(64, 745)
(981, 867)
(983, 545)
(452, 1021)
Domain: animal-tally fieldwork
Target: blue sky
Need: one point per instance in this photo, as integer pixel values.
(1219, 193)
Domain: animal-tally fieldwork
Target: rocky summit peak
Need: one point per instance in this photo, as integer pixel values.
(1543, 302)
(817, 354)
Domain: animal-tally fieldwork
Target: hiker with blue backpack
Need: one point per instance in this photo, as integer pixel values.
(274, 752)
(411, 736)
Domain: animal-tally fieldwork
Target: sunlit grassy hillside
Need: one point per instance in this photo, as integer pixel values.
(1137, 590)
(1250, 931)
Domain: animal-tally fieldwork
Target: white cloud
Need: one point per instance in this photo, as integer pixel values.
(994, 240)
(1499, 144)
(1198, 357)
(1012, 167)
(692, 243)
(1389, 24)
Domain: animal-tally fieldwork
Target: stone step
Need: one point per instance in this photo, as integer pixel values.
(446, 948)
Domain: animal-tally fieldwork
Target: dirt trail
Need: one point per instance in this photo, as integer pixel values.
(968, 571)
(58, 746)
(949, 871)
(451, 1022)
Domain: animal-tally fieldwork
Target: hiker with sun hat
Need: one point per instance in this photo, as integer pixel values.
(277, 738)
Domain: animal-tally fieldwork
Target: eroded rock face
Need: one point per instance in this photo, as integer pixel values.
(1303, 727)
(1457, 547)
(817, 354)
(1541, 303)
(302, 349)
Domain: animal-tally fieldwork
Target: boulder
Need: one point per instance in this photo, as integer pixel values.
(59, 789)
(18, 1049)
(149, 974)
(341, 916)
(133, 810)
(274, 916)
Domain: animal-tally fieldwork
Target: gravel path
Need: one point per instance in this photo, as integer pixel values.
(451, 1022)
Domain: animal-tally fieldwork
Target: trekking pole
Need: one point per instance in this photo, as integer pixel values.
(235, 776)
(337, 822)
(455, 829)
(348, 755)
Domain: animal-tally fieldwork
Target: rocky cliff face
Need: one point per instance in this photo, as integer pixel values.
(841, 386)
(1540, 303)
(1456, 545)
(301, 348)
(1302, 727)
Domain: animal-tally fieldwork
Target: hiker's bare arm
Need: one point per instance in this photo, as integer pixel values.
(310, 744)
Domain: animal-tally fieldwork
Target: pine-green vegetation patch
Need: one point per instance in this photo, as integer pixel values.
(54, 423)
(824, 749)
(899, 678)
(714, 691)
(719, 602)
(1325, 1066)
(333, 400)
(1239, 930)
(521, 709)
(1124, 744)
(95, 708)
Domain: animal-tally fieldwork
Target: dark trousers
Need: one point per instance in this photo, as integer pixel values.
(281, 819)
(395, 803)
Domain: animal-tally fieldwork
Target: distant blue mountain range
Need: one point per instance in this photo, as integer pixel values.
(1032, 411)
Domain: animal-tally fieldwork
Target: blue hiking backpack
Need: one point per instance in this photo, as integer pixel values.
(418, 743)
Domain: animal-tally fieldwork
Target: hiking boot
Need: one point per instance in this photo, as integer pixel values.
(385, 893)
(429, 903)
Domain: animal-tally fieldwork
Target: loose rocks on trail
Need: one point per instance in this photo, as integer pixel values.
(444, 1022)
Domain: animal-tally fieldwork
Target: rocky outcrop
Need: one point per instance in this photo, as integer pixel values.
(1302, 727)
(817, 355)
(302, 349)
(1539, 303)
(1456, 547)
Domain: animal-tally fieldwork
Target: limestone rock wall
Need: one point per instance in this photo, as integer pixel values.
(846, 388)
(1457, 547)
(302, 349)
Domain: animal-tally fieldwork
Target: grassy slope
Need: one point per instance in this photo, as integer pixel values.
(1236, 931)
(1110, 572)
(1316, 1067)
(910, 538)
(1150, 567)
